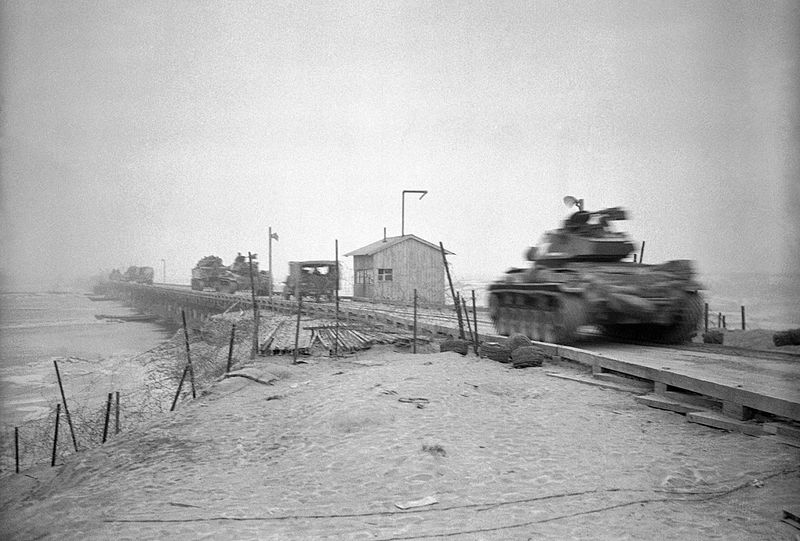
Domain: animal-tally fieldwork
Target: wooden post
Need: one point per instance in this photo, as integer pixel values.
(336, 312)
(724, 323)
(116, 410)
(108, 416)
(55, 436)
(706, 317)
(254, 350)
(16, 449)
(452, 292)
(299, 311)
(719, 320)
(641, 254)
(188, 355)
(180, 386)
(230, 347)
(269, 285)
(743, 325)
(414, 334)
(66, 410)
(475, 321)
(466, 316)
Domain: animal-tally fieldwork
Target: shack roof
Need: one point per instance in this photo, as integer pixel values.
(379, 245)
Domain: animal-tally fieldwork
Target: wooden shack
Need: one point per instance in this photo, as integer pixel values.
(390, 270)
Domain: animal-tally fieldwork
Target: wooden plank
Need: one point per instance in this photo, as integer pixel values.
(630, 382)
(717, 420)
(791, 516)
(737, 411)
(693, 399)
(762, 399)
(772, 395)
(596, 383)
(783, 429)
(663, 403)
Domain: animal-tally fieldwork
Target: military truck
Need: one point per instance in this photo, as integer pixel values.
(315, 279)
(581, 274)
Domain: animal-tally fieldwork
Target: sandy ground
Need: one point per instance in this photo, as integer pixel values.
(330, 448)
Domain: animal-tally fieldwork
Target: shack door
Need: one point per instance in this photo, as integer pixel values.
(363, 284)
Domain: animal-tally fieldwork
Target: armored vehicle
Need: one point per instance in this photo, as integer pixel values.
(312, 278)
(139, 275)
(581, 274)
(211, 273)
(237, 276)
(207, 272)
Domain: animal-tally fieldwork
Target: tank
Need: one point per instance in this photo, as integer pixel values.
(584, 273)
(237, 276)
(210, 272)
(138, 275)
(206, 273)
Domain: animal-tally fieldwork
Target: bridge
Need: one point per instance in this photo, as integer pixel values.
(169, 301)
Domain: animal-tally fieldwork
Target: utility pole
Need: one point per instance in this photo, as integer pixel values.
(271, 236)
(254, 350)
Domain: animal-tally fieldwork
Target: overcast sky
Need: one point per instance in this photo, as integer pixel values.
(137, 131)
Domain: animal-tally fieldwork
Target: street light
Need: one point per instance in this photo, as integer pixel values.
(403, 211)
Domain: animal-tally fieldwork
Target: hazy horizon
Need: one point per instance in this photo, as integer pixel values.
(139, 132)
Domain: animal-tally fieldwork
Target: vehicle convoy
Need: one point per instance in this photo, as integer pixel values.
(312, 279)
(580, 275)
(138, 275)
(210, 272)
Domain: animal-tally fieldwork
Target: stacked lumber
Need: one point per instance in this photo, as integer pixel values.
(280, 336)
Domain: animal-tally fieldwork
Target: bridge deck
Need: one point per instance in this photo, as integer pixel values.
(760, 381)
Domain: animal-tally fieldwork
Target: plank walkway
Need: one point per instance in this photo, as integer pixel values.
(759, 381)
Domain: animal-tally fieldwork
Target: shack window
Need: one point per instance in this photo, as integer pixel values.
(384, 275)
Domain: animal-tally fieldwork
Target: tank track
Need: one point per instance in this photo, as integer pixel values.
(683, 328)
(553, 317)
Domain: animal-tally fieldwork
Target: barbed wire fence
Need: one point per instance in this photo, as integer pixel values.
(146, 384)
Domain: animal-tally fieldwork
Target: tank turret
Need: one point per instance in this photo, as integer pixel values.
(585, 236)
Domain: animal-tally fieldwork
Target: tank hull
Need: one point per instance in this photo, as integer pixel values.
(657, 303)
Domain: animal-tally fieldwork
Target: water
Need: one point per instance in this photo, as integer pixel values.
(93, 354)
